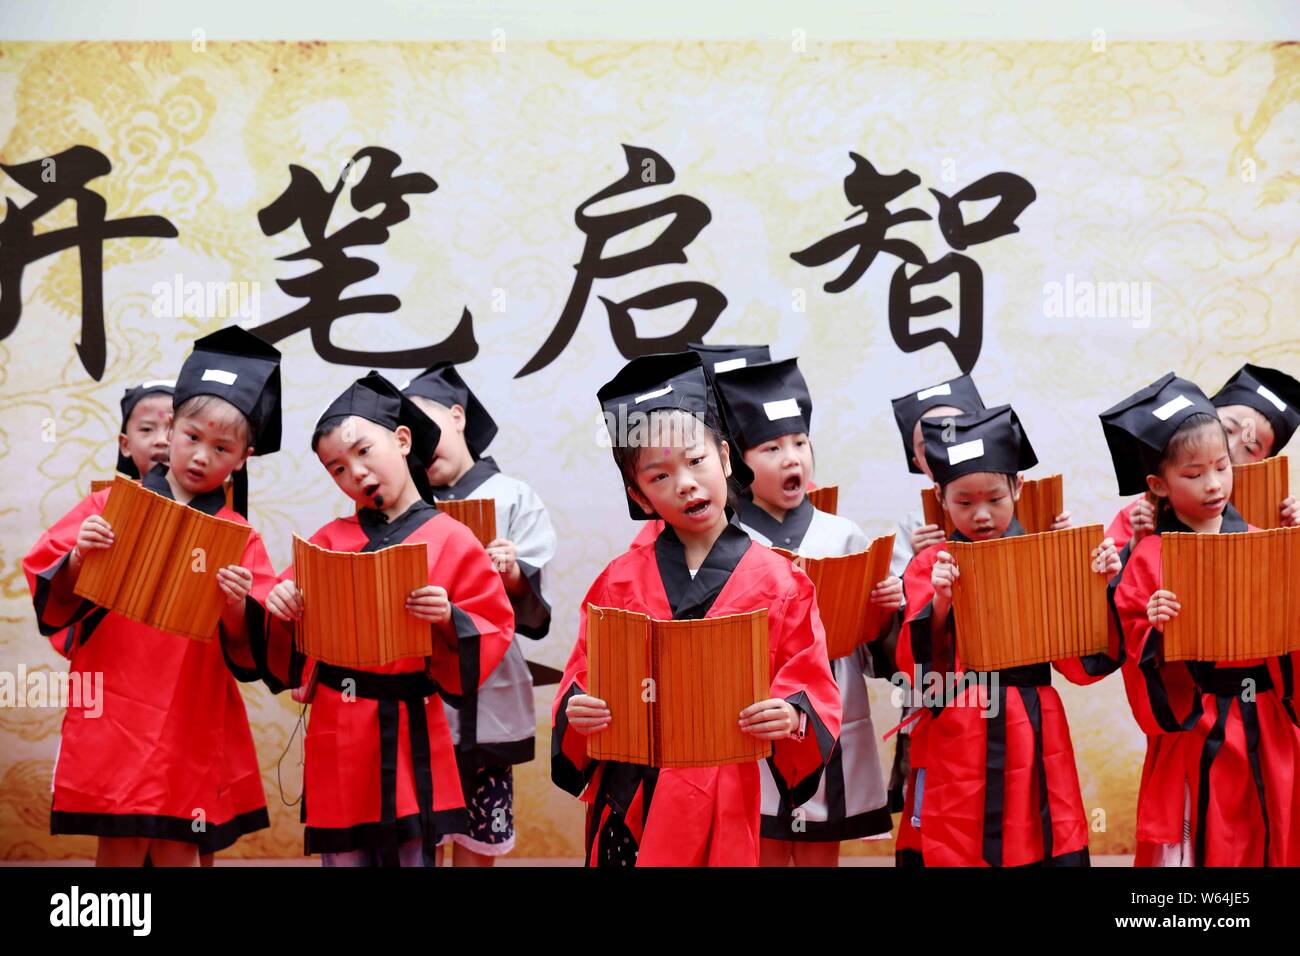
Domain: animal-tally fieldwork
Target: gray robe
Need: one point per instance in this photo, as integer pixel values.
(503, 723)
(851, 801)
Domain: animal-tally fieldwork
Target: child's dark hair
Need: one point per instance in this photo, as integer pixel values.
(196, 405)
(325, 427)
(628, 457)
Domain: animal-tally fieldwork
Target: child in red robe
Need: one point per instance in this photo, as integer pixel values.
(995, 777)
(380, 782)
(148, 775)
(1223, 750)
(675, 466)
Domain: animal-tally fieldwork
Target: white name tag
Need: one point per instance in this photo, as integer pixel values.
(1281, 405)
(219, 375)
(655, 394)
(726, 365)
(1169, 408)
(785, 408)
(169, 382)
(965, 451)
(944, 389)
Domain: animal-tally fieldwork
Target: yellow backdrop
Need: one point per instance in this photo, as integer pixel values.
(1170, 168)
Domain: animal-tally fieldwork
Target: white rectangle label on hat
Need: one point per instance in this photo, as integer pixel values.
(219, 375)
(726, 365)
(944, 389)
(655, 394)
(1267, 393)
(1171, 407)
(965, 451)
(785, 408)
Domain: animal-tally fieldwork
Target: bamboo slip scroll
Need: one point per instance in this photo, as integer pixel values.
(1237, 594)
(675, 689)
(1029, 599)
(1258, 490)
(162, 567)
(843, 586)
(477, 514)
(354, 604)
(826, 498)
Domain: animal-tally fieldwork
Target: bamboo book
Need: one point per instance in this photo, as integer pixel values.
(477, 514)
(826, 498)
(675, 689)
(1258, 490)
(354, 604)
(843, 586)
(1227, 609)
(162, 567)
(1041, 500)
(1029, 599)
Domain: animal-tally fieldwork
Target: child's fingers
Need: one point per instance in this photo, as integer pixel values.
(772, 703)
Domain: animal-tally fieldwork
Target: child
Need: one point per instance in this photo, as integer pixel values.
(1218, 784)
(501, 714)
(714, 358)
(1260, 411)
(380, 784)
(769, 413)
(142, 444)
(674, 464)
(148, 778)
(958, 396)
(996, 783)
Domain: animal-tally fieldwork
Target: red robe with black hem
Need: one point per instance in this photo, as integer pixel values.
(380, 766)
(1238, 755)
(171, 755)
(982, 801)
(705, 816)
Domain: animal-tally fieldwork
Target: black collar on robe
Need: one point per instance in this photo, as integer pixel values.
(209, 502)
(380, 532)
(1015, 529)
(479, 472)
(1233, 522)
(788, 533)
(690, 598)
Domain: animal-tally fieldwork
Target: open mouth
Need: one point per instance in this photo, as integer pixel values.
(193, 475)
(697, 507)
(1215, 503)
(370, 490)
(792, 484)
(161, 458)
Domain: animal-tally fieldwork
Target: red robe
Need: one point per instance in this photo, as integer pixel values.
(241, 774)
(1239, 758)
(381, 767)
(1121, 526)
(706, 816)
(984, 802)
(172, 745)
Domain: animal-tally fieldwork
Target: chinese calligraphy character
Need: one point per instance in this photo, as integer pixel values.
(306, 201)
(53, 180)
(688, 215)
(872, 193)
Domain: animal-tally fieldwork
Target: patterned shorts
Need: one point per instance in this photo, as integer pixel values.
(489, 798)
